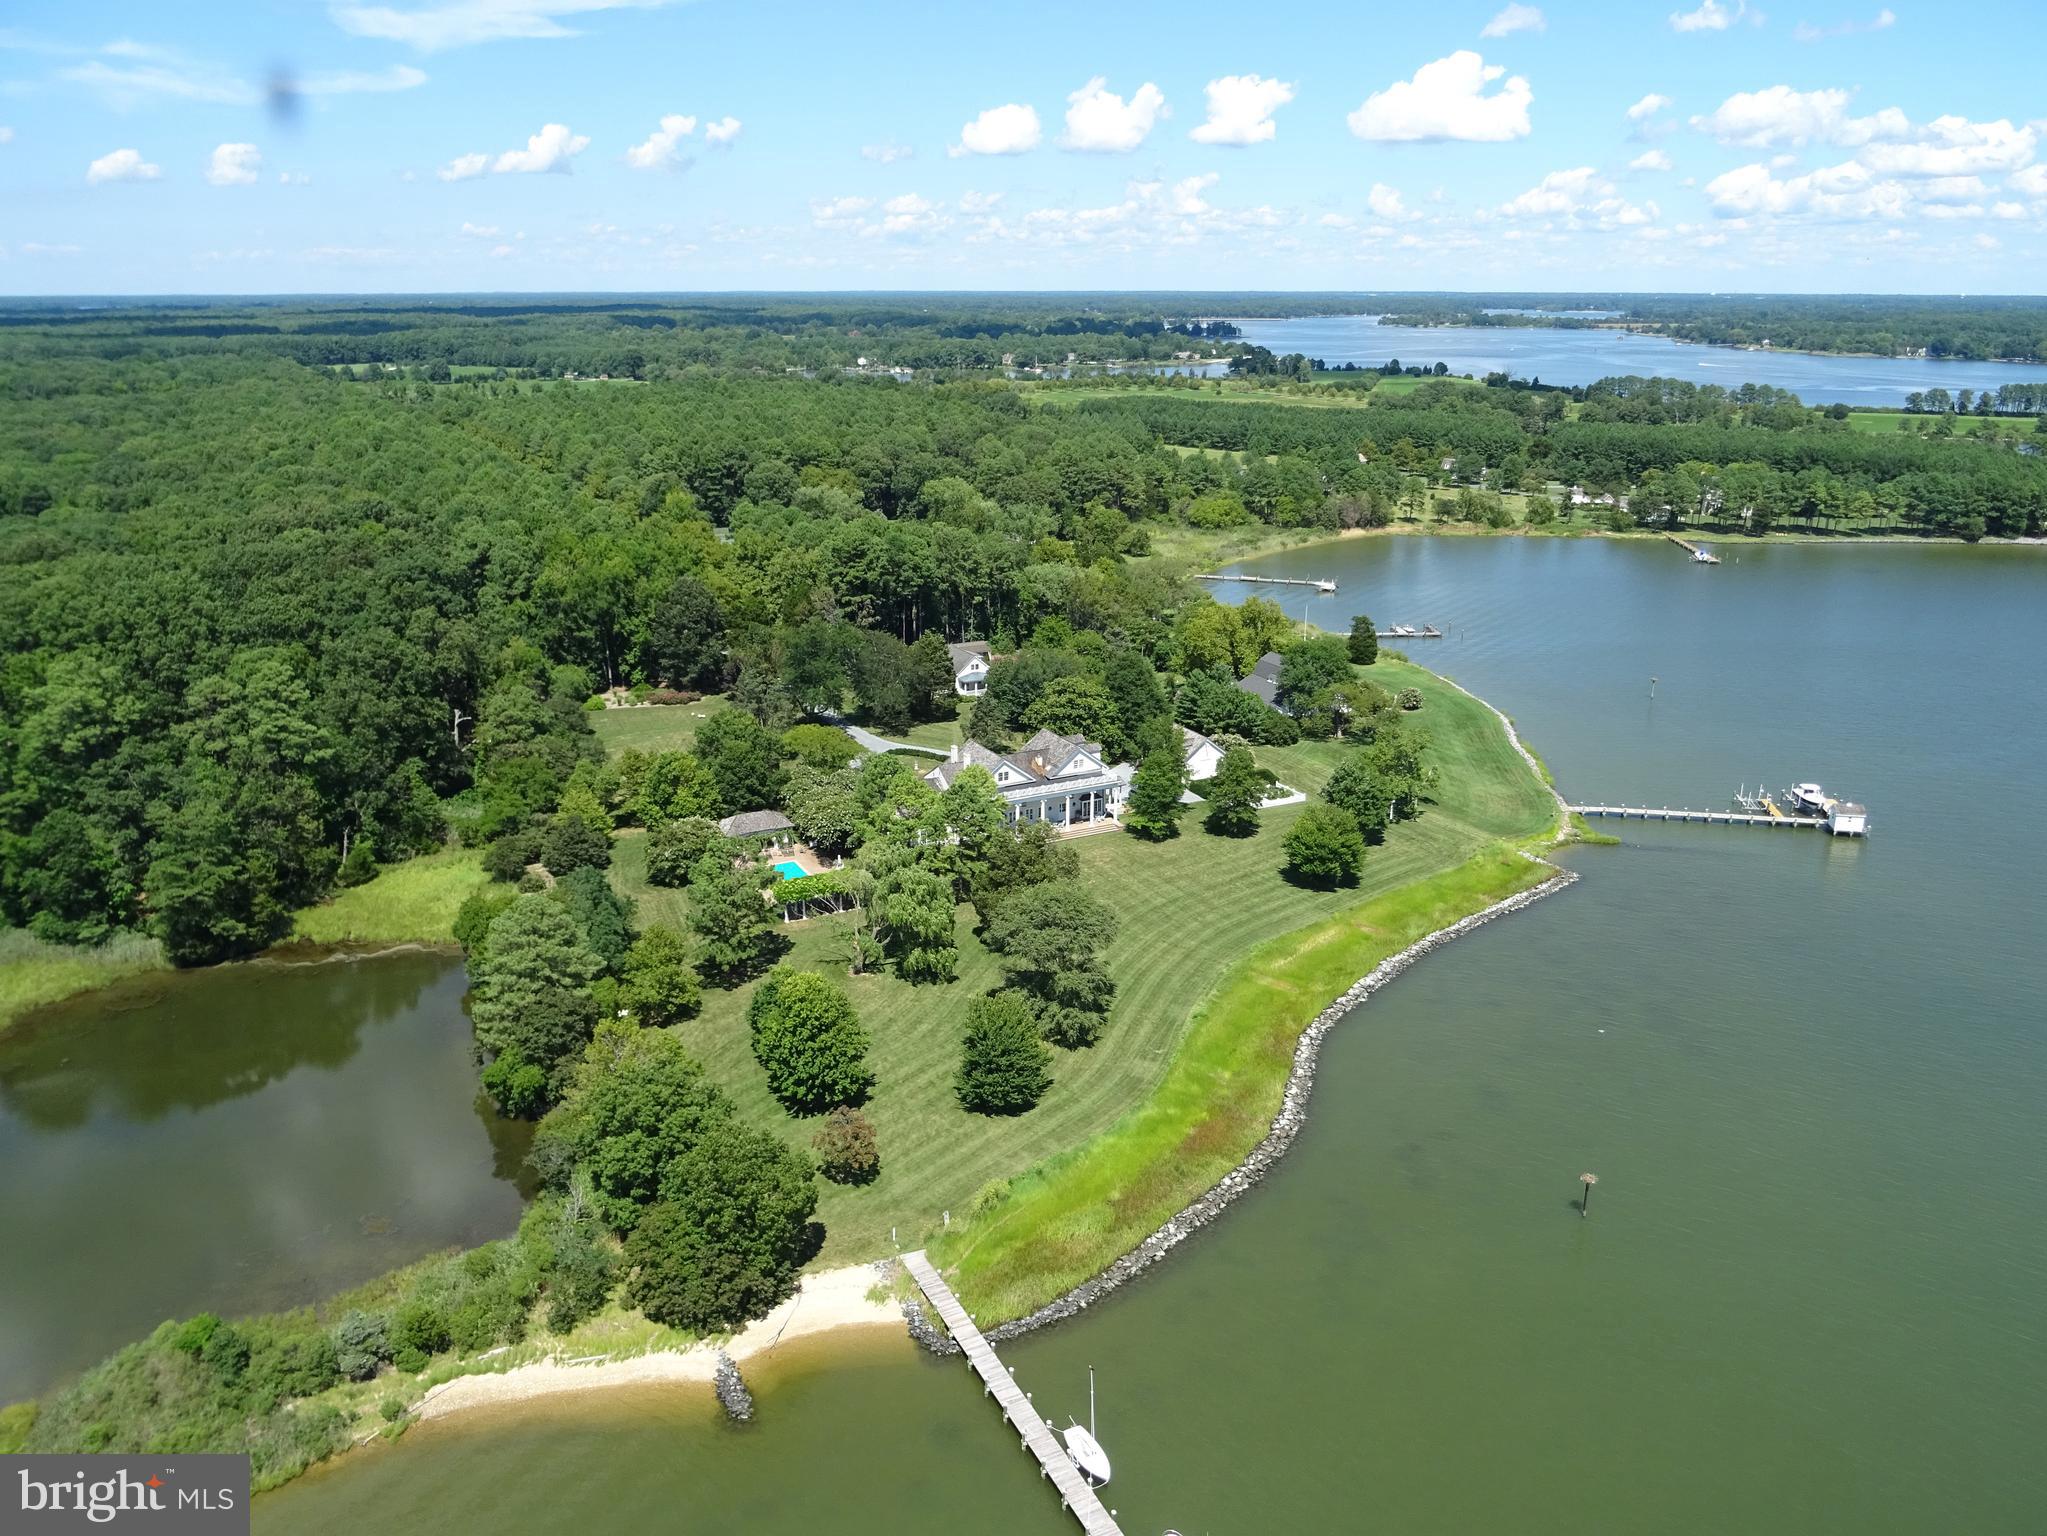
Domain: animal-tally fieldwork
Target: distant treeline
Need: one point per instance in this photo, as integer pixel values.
(1983, 329)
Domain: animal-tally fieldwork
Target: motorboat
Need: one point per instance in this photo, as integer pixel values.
(1081, 1444)
(1808, 800)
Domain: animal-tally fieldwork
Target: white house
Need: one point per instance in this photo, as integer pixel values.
(1203, 755)
(969, 667)
(1061, 780)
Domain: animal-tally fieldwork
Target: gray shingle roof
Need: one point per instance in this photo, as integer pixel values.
(1264, 678)
(755, 824)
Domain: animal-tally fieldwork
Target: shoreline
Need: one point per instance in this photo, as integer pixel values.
(1278, 1140)
(826, 1301)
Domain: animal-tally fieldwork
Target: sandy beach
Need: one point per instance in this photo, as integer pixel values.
(834, 1298)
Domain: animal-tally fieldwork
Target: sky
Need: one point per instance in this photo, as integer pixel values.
(302, 146)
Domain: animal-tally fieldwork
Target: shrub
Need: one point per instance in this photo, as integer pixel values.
(517, 1086)
(361, 1344)
(570, 843)
(824, 747)
(1410, 698)
(419, 1329)
(393, 1408)
(846, 1153)
(360, 867)
(1324, 846)
(506, 856)
(1004, 1066)
(227, 1353)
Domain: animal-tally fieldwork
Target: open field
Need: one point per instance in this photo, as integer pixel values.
(653, 727)
(1964, 426)
(1193, 910)
(413, 902)
(33, 972)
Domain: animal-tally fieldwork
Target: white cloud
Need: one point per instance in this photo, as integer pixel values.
(1647, 107)
(155, 74)
(1845, 191)
(349, 82)
(1806, 32)
(886, 154)
(548, 150)
(1650, 160)
(1240, 109)
(1711, 16)
(1989, 242)
(1515, 18)
(234, 165)
(480, 231)
(1778, 116)
(2008, 210)
(722, 133)
(910, 213)
(660, 148)
(38, 248)
(979, 202)
(6, 134)
(463, 167)
(2032, 181)
(1006, 130)
(1954, 146)
(458, 23)
(121, 165)
(838, 212)
(1447, 100)
(1097, 119)
(1385, 203)
(1578, 197)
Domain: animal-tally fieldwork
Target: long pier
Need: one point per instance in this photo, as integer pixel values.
(1319, 584)
(1076, 1496)
(1718, 818)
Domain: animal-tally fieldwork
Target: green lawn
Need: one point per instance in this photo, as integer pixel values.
(654, 727)
(33, 972)
(1965, 426)
(413, 902)
(1192, 909)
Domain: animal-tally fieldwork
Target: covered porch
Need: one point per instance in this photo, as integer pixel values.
(1067, 810)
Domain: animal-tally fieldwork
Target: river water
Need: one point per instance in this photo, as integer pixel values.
(236, 1140)
(1807, 1297)
(1582, 356)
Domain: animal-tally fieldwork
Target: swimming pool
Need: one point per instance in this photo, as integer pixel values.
(789, 869)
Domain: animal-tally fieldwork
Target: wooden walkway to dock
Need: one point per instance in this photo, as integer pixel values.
(1718, 818)
(1075, 1493)
(1277, 581)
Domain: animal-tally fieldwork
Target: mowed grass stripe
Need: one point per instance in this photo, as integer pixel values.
(1192, 911)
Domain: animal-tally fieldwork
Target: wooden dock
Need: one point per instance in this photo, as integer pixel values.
(1076, 1496)
(1278, 581)
(1717, 818)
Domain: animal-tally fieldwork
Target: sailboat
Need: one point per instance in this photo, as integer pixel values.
(1083, 1447)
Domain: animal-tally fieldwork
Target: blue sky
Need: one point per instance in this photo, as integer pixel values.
(299, 146)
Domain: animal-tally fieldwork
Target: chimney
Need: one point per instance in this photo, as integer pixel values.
(952, 753)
